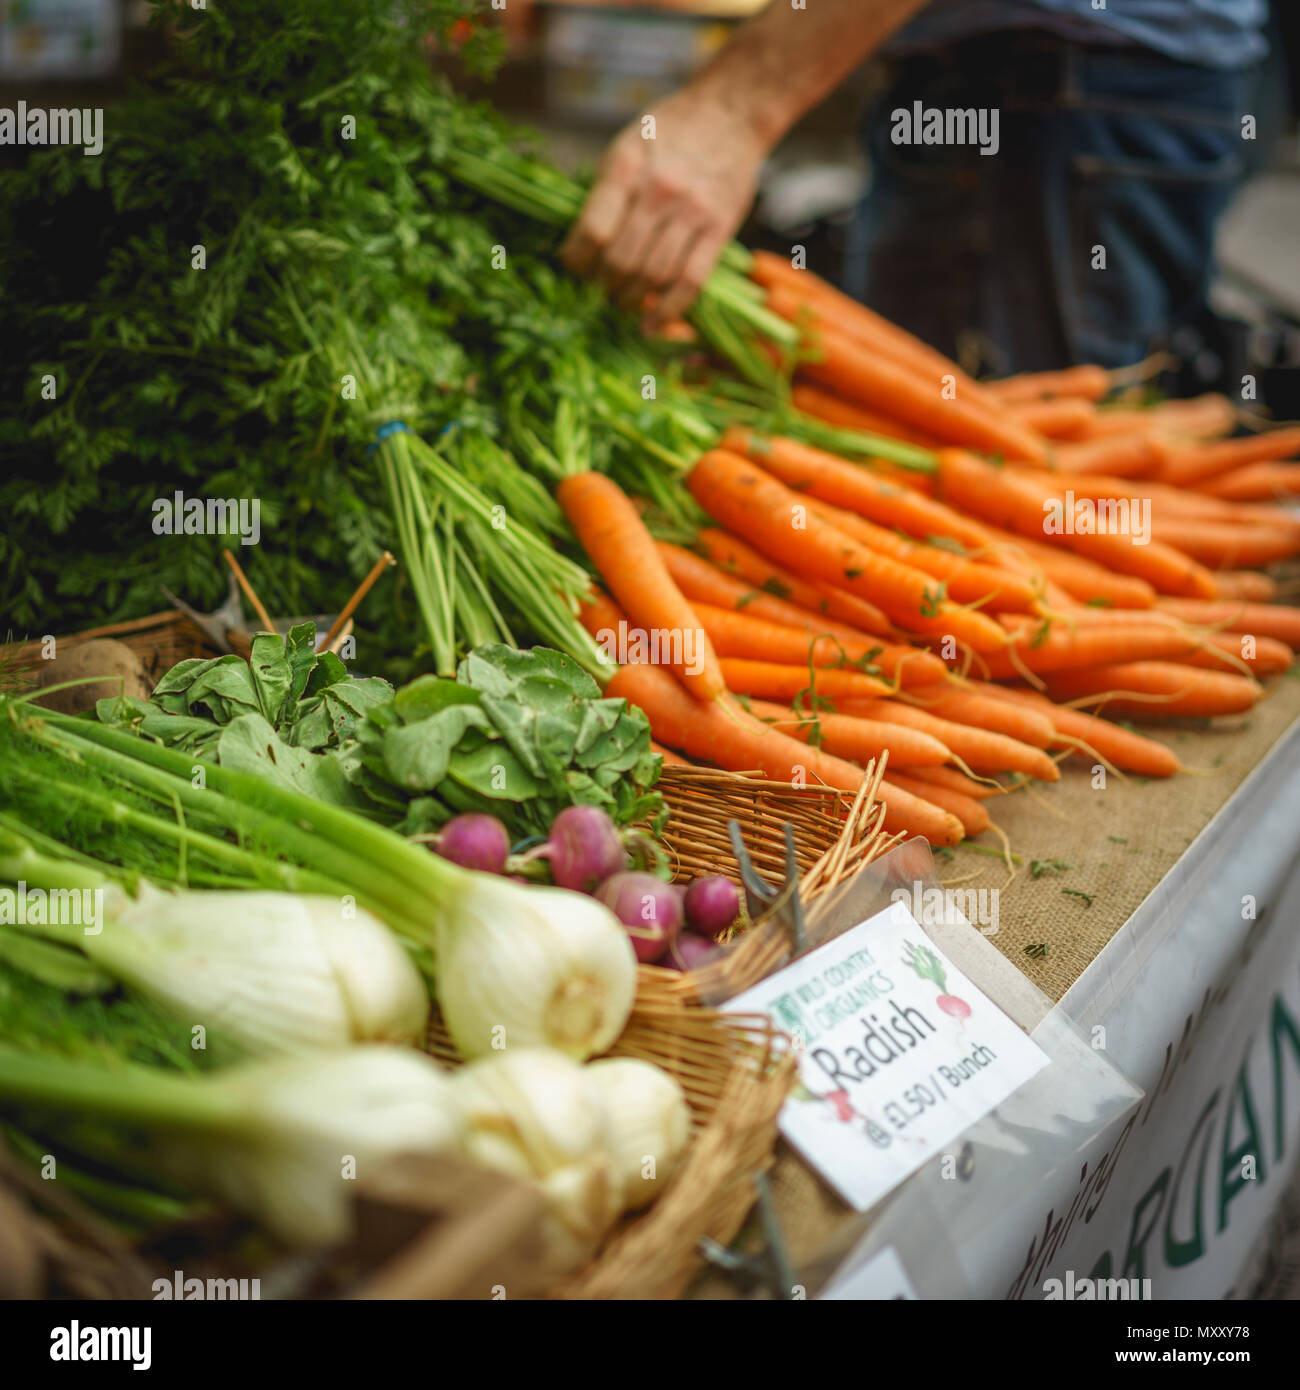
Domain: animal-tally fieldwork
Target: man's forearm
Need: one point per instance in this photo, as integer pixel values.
(782, 62)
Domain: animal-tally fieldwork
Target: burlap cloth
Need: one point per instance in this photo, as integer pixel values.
(1119, 841)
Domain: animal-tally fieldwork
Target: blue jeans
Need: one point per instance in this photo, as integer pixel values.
(1111, 148)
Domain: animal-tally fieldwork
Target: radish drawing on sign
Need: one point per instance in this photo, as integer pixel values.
(927, 967)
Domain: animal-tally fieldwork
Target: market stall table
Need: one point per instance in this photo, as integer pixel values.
(1177, 951)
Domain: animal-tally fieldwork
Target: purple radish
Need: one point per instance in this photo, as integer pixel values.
(712, 904)
(583, 847)
(689, 951)
(474, 841)
(649, 908)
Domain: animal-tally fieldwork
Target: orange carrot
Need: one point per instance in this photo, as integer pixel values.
(853, 487)
(795, 294)
(743, 636)
(973, 816)
(980, 750)
(1256, 482)
(1080, 577)
(965, 581)
(1264, 619)
(1224, 544)
(1044, 647)
(1226, 651)
(858, 740)
(1202, 417)
(730, 553)
(1246, 585)
(1157, 690)
(624, 553)
(846, 366)
(955, 781)
(1060, 417)
(670, 758)
(835, 410)
(1127, 751)
(1186, 467)
(733, 739)
(773, 680)
(755, 505)
(1017, 502)
(1086, 382)
(968, 707)
(1118, 456)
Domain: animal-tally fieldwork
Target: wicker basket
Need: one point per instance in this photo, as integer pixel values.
(735, 1069)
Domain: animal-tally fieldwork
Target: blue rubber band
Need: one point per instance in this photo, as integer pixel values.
(386, 432)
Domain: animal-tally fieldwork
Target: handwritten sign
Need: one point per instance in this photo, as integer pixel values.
(899, 1053)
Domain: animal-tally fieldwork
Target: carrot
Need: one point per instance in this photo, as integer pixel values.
(965, 581)
(1059, 645)
(1246, 585)
(732, 554)
(854, 370)
(1157, 689)
(1264, 619)
(799, 293)
(1256, 482)
(1209, 416)
(1080, 577)
(1226, 651)
(1127, 751)
(774, 680)
(968, 707)
(733, 739)
(755, 505)
(974, 817)
(1060, 417)
(909, 814)
(1018, 503)
(955, 781)
(1225, 544)
(853, 487)
(1087, 382)
(670, 758)
(835, 410)
(1186, 467)
(858, 740)
(980, 750)
(739, 635)
(624, 553)
(1119, 456)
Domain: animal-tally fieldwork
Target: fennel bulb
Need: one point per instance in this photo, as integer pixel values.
(271, 1138)
(271, 972)
(522, 966)
(535, 1114)
(649, 1125)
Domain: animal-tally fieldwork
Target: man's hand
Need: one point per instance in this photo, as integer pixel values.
(666, 204)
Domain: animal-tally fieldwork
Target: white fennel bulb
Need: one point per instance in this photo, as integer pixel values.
(533, 1113)
(272, 972)
(648, 1124)
(522, 966)
(285, 1141)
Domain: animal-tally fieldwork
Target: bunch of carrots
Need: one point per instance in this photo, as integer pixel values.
(958, 615)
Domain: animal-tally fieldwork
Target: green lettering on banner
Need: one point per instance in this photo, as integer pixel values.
(1230, 1179)
(1282, 1023)
(1135, 1258)
(1183, 1252)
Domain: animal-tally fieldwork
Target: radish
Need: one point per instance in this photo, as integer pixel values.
(474, 841)
(954, 1007)
(689, 951)
(712, 904)
(649, 908)
(583, 848)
